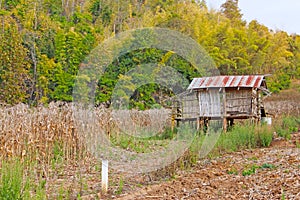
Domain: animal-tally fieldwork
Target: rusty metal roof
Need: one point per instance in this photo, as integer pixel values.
(247, 81)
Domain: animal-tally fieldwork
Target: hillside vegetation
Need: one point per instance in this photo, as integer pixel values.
(43, 42)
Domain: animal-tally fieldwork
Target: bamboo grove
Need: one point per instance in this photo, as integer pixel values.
(43, 42)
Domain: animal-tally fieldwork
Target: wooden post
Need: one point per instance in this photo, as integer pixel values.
(172, 122)
(224, 111)
(104, 176)
(198, 123)
(258, 106)
(205, 125)
(231, 122)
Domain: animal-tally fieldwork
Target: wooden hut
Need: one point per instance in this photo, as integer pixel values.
(223, 97)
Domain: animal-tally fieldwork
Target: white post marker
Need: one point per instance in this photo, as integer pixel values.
(104, 176)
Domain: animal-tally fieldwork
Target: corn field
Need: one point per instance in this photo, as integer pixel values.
(56, 141)
(34, 133)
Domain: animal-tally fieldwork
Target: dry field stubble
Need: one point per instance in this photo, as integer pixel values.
(48, 139)
(287, 102)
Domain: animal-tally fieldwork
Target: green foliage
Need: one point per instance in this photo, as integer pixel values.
(99, 9)
(283, 133)
(54, 9)
(231, 10)
(279, 82)
(166, 134)
(142, 145)
(13, 67)
(121, 185)
(14, 184)
(245, 136)
(250, 171)
(289, 124)
(267, 166)
(42, 44)
(283, 195)
(11, 184)
(232, 171)
(9, 4)
(140, 83)
(239, 137)
(71, 49)
(265, 136)
(58, 153)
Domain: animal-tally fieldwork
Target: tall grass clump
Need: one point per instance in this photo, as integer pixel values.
(287, 125)
(16, 183)
(247, 136)
(265, 136)
(11, 182)
(239, 137)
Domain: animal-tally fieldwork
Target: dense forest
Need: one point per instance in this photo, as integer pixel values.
(43, 42)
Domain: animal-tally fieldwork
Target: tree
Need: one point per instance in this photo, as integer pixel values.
(278, 61)
(258, 46)
(51, 38)
(231, 10)
(13, 66)
(38, 38)
(71, 49)
(294, 43)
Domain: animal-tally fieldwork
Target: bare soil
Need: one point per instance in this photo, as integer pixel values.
(276, 176)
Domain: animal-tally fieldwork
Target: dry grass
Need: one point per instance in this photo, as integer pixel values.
(34, 132)
(287, 102)
(56, 144)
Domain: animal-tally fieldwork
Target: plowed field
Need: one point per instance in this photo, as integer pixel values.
(269, 173)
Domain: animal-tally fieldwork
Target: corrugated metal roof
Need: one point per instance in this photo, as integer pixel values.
(249, 81)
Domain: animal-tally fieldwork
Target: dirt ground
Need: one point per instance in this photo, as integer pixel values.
(268, 173)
